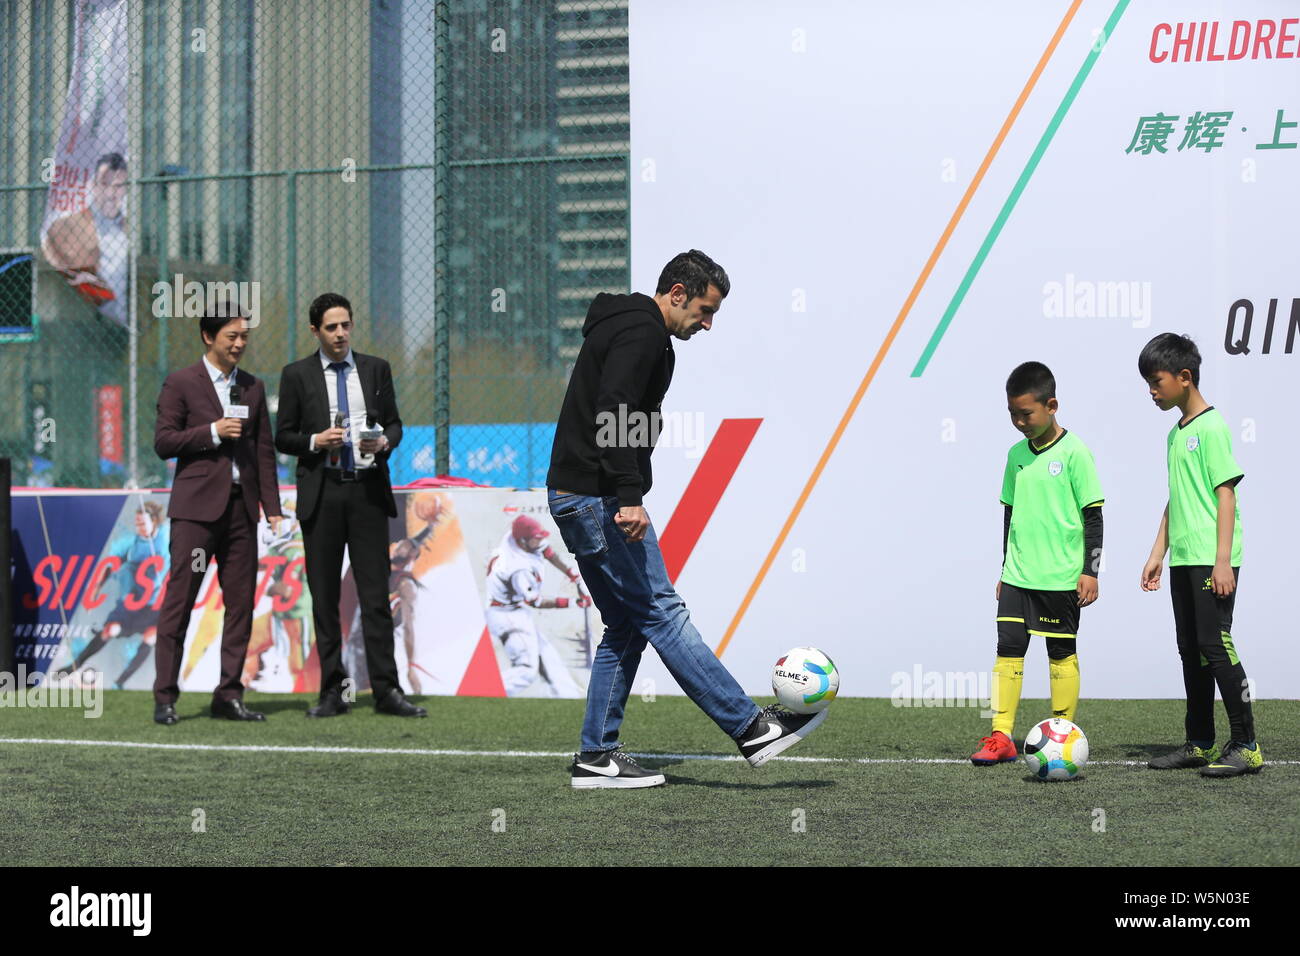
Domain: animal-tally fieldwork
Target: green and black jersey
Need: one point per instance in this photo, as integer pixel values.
(1047, 489)
(1200, 460)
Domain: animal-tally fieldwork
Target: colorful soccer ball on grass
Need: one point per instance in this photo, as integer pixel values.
(1055, 750)
(805, 680)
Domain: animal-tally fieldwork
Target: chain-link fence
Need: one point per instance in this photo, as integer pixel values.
(458, 170)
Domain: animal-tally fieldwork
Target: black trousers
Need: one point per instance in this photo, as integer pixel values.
(351, 515)
(1203, 625)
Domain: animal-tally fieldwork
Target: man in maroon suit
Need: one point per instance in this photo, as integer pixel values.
(212, 418)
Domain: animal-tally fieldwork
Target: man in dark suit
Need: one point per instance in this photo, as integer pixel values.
(338, 414)
(212, 418)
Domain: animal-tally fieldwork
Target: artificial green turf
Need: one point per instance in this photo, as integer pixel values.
(80, 806)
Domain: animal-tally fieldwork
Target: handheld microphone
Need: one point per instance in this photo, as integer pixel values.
(233, 408)
(335, 454)
(372, 432)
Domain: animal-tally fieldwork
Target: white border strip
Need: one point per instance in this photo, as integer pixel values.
(403, 751)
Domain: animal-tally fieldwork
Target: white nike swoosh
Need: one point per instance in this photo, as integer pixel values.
(773, 731)
(609, 771)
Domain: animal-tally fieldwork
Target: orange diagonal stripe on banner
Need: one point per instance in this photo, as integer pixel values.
(898, 324)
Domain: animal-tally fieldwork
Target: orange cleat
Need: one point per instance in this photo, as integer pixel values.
(997, 748)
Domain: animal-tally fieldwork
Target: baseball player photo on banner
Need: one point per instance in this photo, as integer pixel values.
(543, 626)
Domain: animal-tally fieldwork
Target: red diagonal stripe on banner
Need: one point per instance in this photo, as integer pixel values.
(705, 490)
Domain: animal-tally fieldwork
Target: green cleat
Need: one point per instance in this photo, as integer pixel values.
(1185, 757)
(1236, 760)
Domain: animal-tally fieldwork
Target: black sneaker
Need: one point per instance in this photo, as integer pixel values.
(1236, 760)
(776, 729)
(613, 768)
(1185, 757)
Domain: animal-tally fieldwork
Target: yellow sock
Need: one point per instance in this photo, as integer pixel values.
(1065, 686)
(1008, 674)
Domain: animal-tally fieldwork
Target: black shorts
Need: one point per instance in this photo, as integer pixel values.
(1047, 613)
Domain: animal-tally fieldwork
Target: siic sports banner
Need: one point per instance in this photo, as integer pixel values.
(911, 199)
(482, 603)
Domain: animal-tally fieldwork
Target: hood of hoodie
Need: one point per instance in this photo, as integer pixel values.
(635, 307)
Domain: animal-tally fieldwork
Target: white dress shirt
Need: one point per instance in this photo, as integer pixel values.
(222, 382)
(356, 408)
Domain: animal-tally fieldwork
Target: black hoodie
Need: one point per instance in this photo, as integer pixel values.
(610, 417)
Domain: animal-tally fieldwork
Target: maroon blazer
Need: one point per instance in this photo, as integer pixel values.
(187, 407)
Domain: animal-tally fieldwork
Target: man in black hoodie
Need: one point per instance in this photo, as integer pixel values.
(600, 469)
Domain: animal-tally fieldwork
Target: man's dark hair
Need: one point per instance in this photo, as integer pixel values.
(1170, 352)
(696, 272)
(218, 314)
(323, 303)
(114, 162)
(1032, 378)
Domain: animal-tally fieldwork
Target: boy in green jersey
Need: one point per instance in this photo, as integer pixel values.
(1201, 529)
(1051, 546)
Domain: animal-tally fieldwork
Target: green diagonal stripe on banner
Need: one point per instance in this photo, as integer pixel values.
(996, 229)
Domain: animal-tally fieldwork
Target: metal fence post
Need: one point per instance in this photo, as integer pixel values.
(441, 236)
(6, 580)
(291, 264)
(164, 221)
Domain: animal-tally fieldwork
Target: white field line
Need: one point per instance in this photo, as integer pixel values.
(408, 751)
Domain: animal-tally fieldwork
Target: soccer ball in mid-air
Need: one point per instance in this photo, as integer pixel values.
(1055, 750)
(805, 680)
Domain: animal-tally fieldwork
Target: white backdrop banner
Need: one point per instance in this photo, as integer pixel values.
(912, 199)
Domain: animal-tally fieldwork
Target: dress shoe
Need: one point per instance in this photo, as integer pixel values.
(331, 705)
(395, 703)
(234, 709)
(165, 714)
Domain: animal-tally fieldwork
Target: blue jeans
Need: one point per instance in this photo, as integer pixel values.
(629, 584)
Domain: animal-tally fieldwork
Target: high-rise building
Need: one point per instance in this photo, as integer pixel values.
(540, 129)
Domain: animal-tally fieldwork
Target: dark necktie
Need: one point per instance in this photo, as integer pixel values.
(345, 456)
(230, 448)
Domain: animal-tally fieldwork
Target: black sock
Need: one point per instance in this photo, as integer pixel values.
(1199, 684)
